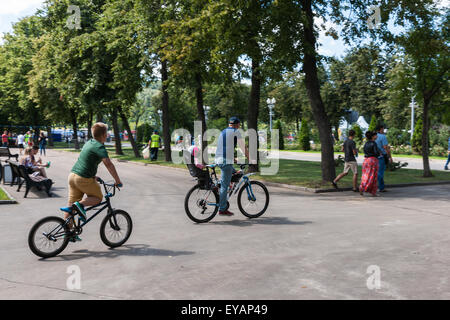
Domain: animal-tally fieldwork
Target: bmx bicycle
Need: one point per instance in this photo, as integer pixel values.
(202, 200)
(51, 235)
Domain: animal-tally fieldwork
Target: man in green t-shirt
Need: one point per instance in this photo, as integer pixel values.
(82, 179)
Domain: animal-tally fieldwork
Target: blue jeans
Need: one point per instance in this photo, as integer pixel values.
(448, 161)
(225, 179)
(381, 169)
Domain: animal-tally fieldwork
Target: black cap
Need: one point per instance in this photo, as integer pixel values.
(234, 120)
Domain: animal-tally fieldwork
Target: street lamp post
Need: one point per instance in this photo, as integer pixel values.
(271, 104)
(412, 117)
(206, 112)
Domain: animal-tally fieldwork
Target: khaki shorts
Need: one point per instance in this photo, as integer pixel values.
(79, 186)
(351, 165)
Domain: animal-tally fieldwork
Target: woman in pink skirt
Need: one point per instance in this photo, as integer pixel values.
(370, 165)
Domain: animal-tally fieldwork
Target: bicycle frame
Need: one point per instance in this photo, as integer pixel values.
(236, 186)
(105, 204)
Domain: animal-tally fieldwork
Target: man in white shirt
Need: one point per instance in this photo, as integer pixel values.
(20, 142)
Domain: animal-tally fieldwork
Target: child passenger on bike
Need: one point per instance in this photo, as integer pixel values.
(82, 179)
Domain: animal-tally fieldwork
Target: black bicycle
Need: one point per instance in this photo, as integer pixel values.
(202, 200)
(51, 235)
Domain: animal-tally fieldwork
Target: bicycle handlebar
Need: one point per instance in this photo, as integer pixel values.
(118, 186)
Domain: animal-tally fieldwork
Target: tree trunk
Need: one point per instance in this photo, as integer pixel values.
(130, 135)
(165, 112)
(313, 90)
(253, 107)
(100, 117)
(425, 138)
(201, 111)
(90, 120)
(75, 128)
(50, 137)
(118, 143)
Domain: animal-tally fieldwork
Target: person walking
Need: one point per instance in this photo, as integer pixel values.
(42, 143)
(28, 140)
(448, 159)
(20, 142)
(370, 166)
(224, 158)
(351, 153)
(154, 144)
(5, 139)
(385, 158)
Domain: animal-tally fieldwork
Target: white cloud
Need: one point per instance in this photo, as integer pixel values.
(17, 7)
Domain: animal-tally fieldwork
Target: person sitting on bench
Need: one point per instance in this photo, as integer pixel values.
(30, 163)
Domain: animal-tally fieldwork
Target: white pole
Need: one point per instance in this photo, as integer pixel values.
(412, 118)
(270, 114)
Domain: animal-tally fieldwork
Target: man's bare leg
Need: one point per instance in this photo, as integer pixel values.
(339, 177)
(355, 181)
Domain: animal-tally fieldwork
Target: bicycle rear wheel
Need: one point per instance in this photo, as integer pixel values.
(116, 228)
(255, 201)
(201, 205)
(48, 237)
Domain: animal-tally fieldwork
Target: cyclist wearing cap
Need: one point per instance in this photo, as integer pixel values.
(228, 139)
(82, 179)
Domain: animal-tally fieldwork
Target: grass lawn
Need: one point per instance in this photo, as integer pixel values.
(308, 174)
(415, 156)
(302, 173)
(3, 195)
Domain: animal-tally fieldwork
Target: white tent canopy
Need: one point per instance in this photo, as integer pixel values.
(362, 123)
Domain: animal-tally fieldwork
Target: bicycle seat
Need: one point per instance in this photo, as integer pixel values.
(212, 166)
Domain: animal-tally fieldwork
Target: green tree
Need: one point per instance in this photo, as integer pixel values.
(304, 136)
(373, 123)
(278, 125)
(427, 45)
(358, 132)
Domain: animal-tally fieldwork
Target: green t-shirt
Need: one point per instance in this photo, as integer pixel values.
(91, 155)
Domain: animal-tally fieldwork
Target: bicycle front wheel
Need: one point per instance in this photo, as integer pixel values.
(254, 202)
(116, 228)
(48, 237)
(201, 205)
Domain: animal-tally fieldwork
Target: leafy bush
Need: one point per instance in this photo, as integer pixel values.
(358, 132)
(401, 149)
(338, 147)
(304, 137)
(438, 151)
(397, 137)
(339, 161)
(144, 132)
(373, 123)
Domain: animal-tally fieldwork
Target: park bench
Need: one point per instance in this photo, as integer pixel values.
(20, 173)
(4, 152)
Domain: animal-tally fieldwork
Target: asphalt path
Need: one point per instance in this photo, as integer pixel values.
(306, 246)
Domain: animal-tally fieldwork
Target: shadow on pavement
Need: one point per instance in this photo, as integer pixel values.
(134, 250)
(263, 220)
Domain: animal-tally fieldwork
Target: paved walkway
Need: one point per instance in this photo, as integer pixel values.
(306, 246)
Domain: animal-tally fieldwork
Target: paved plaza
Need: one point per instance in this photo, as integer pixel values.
(306, 246)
